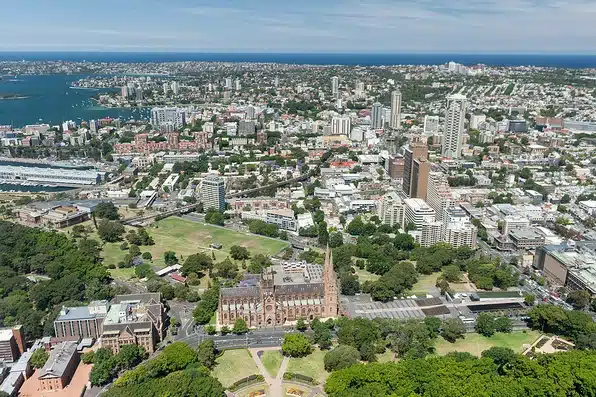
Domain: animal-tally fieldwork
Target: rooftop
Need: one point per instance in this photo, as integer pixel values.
(58, 361)
(5, 335)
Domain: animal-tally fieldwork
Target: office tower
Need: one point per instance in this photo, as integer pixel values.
(439, 195)
(391, 210)
(395, 110)
(175, 87)
(396, 167)
(417, 150)
(340, 125)
(335, 86)
(419, 180)
(124, 92)
(229, 83)
(246, 127)
(455, 116)
(376, 116)
(431, 125)
(237, 85)
(213, 193)
(166, 88)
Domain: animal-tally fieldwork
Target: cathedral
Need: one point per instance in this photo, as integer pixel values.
(283, 293)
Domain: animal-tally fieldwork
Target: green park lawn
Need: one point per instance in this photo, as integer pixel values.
(234, 365)
(185, 238)
(365, 275)
(312, 365)
(272, 359)
(476, 343)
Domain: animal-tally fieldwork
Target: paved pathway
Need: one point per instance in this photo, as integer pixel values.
(275, 384)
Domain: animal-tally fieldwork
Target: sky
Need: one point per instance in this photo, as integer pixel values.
(388, 26)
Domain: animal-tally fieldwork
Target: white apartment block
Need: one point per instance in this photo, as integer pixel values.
(458, 231)
(168, 115)
(340, 125)
(439, 195)
(431, 125)
(418, 212)
(390, 210)
(476, 120)
(395, 122)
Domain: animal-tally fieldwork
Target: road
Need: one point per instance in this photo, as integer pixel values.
(255, 338)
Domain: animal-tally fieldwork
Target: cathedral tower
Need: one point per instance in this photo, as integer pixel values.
(331, 305)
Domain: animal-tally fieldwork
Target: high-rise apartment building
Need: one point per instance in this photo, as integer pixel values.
(416, 151)
(175, 87)
(250, 112)
(455, 116)
(431, 125)
(335, 86)
(427, 230)
(376, 116)
(439, 195)
(359, 89)
(173, 115)
(458, 230)
(213, 193)
(395, 110)
(166, 88)
(391, 210)
(340, 125)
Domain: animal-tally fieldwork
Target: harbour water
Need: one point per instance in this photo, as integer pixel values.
(49, 99)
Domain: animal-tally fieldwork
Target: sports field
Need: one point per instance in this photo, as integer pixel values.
(476, 343)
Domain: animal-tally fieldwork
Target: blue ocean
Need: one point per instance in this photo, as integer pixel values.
(575, 61)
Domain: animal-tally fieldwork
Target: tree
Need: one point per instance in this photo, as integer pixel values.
(565, 199)
(240, 327)
(215, 217)
(529, 299)
(226, 269)
(88, 357)
(433, 324)
(106, 210)
(322, 336)
(336, 239)
(349, 283)
(258, 263)
(300, 325)
(170, 258)
(144, 271)
(39, 358)
(167, 291)
(130, 356)
(197, 263)
(323, 234)
(452, 273)
(485, 324)
(134, 250)
(103, 371)
(453, 329)
(207, 353)
(341, 357)
(500, 355)
(239, 253)
(147, 256)
(110, 232)
(296, 345)
(579, 299)
(503, 324)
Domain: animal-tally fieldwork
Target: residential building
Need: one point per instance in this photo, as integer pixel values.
(282, 294)
(390, 210)
(476, 120)
(455, 117)
(439, 195)
(376, 116)
(418, 212)
(458, 230)
(526, 238)
(416, 151)
(164, 115)
(283, 218)
(9, 349)
(81, 321)
(431, 125)
(134, 319)
(335, 87)
(395, 110)
(340, 125)
(419, 181)
(246, 127)
(60, 367)
(213, 193)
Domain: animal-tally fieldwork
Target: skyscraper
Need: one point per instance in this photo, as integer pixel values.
(395, 110)
(213, 193)
(335, 86)
(166, 88)
(455, 116)
(439, 195)
(359, 89)
(376, 116)
(175, 87)
(417, 151)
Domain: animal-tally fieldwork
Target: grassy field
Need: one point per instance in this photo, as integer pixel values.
(185, 238)
(234, 365)
(311, 365)
(476, 344)
(385, 357)
(425, 284)
(364, 275)
(272, 361)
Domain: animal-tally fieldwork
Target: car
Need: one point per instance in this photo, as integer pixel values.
(216, 246)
